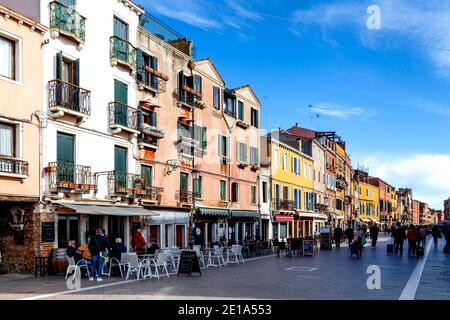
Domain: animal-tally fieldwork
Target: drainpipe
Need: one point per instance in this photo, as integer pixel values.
(41, 117)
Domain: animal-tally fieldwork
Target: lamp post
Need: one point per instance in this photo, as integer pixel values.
(195, 176)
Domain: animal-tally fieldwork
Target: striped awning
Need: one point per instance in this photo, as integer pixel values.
(244, 214)
(218, 212)
(283, 218)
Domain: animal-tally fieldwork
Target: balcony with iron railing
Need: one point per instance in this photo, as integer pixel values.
(12, 167)
(66, 98)
(320, 207)
(123, 184)
(123, 118)
(184, 197)
(165, 33)
(287, 205)
(69, 177)
(123, 53)
(190, 98)
(67, 21)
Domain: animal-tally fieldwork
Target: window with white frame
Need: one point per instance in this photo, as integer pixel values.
(241, 149)
(295, 165)
(276, 158)
(224, 146)
(285, 161)
(254, 156)
(8, 58)
(305, 169)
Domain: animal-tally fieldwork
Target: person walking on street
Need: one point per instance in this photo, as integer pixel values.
(411, 234)
(399, 238)
(350, 234)
(338, 233)
(357, 241)
(98, 246)
(423, 233)
(364, 230)
(374, 230)
(446, 232)
(436, 234)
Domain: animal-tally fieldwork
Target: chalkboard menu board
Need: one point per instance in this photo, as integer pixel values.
(188, 263)
(48, 231)
(308, 247)
(325, 241)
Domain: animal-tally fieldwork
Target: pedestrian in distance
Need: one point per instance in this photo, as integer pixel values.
(399, 236)
(411, 235)
(446, 232)
(349, 234)
(138, 242)
(358, 241)
(423, 233)
(436, 233)
(374, 230)
(338, 233)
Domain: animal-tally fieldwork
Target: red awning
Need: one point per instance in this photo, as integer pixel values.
(281, 218)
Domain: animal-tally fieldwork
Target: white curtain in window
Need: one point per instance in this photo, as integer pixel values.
(6, 58)
(6, 140)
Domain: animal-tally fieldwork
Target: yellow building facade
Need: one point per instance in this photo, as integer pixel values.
(368, 201)
(292, 186)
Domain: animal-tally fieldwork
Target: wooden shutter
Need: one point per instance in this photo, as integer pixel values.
(153, 119)
(228, 151)
(59, 63)
(120, 159)
(139, 65)
(197, 83)
(220, 140)
(65, 148)
(76, 72)
(154, 66)
(204, 138)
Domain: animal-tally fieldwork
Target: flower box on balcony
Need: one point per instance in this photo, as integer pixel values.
(63, 184)
(242, 165)
(157, 73)
(192, 91)
(49, 169)
(72, 185)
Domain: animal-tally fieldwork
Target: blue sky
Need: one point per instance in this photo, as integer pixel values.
(386, 92)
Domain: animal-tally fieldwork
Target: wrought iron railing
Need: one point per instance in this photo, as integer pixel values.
(63, 175)
(147, 139)
(123, 115)
(184, 196)
(67, 20)
(151, 194)
(13, 166)
(123, 51)
(279, 204)
(165, 33)
(69, 96)
(123, 183)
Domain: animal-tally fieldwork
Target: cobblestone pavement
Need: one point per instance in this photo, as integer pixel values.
(328, 275)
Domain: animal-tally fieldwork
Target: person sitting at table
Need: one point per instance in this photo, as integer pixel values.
(118, 249)
(153, 247)
(85, 252)
(73, 252)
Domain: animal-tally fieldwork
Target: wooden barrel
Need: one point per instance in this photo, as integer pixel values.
(58, 261)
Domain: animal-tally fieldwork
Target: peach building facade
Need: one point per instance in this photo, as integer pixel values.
(198, 149)
(21, 93)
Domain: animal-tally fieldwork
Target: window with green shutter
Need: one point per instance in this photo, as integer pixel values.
(65, 156)
(216, 97)
(223, 190)
(253, 196)
(254, 156)
(121, 99)
(147, 175)
(198, 187)
(241, 152)
(240, 110)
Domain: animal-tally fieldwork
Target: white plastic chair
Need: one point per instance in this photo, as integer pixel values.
(136, 266)
(121, 264)
(217, 255)
(76, 266)
(236, 254)
(161, 263)
(200, 256)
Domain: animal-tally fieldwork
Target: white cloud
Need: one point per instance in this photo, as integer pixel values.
(342, 112)
(205, 14)
(418, 24)
(427, 174)
(431, 106)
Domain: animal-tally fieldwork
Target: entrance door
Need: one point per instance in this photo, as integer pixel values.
(154, 234)
(94, 223)
(65, 156)
(210, 232)
(179, 236)
(199, 234)
(116, 228)
(67, 230)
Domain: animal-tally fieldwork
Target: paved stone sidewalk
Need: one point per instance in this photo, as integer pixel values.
(328, 275)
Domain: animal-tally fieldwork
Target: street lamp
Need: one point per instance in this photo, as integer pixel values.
(195, 176)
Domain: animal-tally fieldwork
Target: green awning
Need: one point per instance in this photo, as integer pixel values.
(244, 214)
(213, 212)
